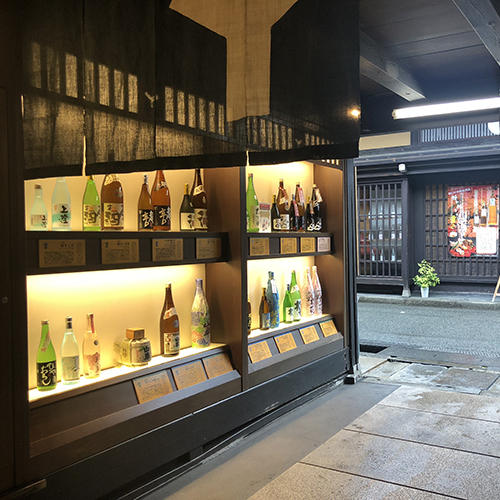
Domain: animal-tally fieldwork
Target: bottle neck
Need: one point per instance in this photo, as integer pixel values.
(90, 323)
(169, 302)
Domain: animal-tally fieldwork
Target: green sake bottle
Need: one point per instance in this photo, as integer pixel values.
(252, 207)
(296, 298)
(288, 306)
(91, 207)
(46, 373)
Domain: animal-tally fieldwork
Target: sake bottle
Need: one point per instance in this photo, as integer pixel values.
(186, 212)
(264, 312)
(200, 318)
(112, 211)
(283, 207)
(145, 208)
(273, 299)
(309, 303)
(301, 207)
(316, 201)
(288, 306)
(296, 298)
(318, 301)
(199, 202)
(294, 214)
(252, 207)
(38, 212)
(91, 207)
(309, 222)
(275, 216)
(70, 355)
(160, 196)
(46, 370)
(61, 206)
(91, 350)
(169, 326)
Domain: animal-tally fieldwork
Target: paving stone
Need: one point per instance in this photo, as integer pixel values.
(366, 363)
(465, 378)
(494, 389)
(385, 370)
(417, 373)
(466, 434)
(446, 402)
(306, 481)
(439, 470)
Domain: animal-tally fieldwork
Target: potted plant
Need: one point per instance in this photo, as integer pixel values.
(425, 277)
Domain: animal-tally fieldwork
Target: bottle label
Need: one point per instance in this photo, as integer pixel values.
(46, 374)
(187, 221)
(200, 218)
(265, 321)
(169, 313)
(198, 189)
(71, 367)
(318, 225)
(285, 222)
(297, 310)
(288, 314)
(92, 364)
(162, 216)
(200, 329)
(39, 221)
(61, 215)
(145, 219)
(275, 318)
(140, 353)
(253, 218)
(277, 224)
(91, 215)
(112, 215)
(171, 343)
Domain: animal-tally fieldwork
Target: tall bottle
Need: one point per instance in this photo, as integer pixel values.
(249, 317)
(288, 306)
(316, 201)
(46, 369)
(169, 326)
(294, 214)
(145, 217)
(296, 298)
(484, 215)
(275, 216)
(199, 201)
(318, 301)
(112, 213)
(273, 299)
(186, 212)
(38, 212)
(264, 312)
(310, 223)
(301, 207)
(252, 207)
(160, 196)
(70, 355)
(61, 206)
(91, 350)
(309, 303)
(492, 211)
(283, 207)
(91, 207)
(200, 318)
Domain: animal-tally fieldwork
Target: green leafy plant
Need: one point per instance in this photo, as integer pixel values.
(426, 275)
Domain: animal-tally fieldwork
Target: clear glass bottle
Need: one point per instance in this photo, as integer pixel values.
(91, 350)
(46, 369)
(91, 207)
(38, 212)
(70, 355)
(252, 207)
(309, 303)
(273, 298)
(61, 206)
(169, 326)
(318, 300)
(200, 318)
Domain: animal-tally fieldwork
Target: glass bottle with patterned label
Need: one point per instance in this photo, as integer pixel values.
(296, 298)
(283, 207)
(61, 206)
(91, 207)
(273, 299)
(186, 213)
(316, 200)
(112, 213)
(309, 302)
(145, 208)
(318, 299)
(160, 196)
(46, 369)
(199, 202)
(38, 212)
(91, 350)
(252, 207)
(169, 325)
(70, 355)
(288, 306)
(264, 312)
(200, 318)
(275, 216)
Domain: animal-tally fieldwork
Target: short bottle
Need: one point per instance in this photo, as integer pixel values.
(318, 300)
(91, 350)
(91, 207)
(169, 326)
(283, 207)
(70, 355)
(46, 369)
(296, 298)
(200, 318)
(160, 196)
(264, 312)
(309, 302)
(275, 216)
(252, 207)
(112, 208)
(199, 202)
(145, 208)
(38, 212)
(135, 348)
(61, 206)
(288, 306)
(186, 212)
(273, 299)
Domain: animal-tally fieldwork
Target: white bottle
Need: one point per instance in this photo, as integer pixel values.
(91, 350)
(308, 300)
(38, 213)
(70, 355)
(200, 318)
(317, 291)
(61, 206)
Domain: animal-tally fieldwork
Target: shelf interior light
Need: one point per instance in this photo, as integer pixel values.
(446, 108)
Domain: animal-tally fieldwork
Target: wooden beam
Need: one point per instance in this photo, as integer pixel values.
(484, 18)
(377, 65)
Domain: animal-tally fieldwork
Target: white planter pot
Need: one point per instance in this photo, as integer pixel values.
(424, 292)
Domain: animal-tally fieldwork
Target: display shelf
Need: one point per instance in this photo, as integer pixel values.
(257, 333)
(51, 252)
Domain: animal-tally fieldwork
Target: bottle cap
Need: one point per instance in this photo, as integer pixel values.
(135, 333)
(38, 186)
(69, 322)
(45, 321)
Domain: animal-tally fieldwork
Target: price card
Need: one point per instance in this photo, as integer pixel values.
(217, 365)
(307, 245)
(152, 386)
(167, 249)
(208, 248)
(324, 244)
(61, 253)
(189, 374)
(118, 251)
(259, 246)
(309, 334)
(328, 328)
(259, 351)
(288, 245)
(285, 342)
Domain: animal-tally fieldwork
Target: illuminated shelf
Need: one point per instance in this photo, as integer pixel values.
(285, 327)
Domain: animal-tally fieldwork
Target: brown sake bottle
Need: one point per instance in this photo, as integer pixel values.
(112, 204)
(301, 206)
(160, 196)
(199, 201)
(145, 208)
(283, 207)
(169, 326)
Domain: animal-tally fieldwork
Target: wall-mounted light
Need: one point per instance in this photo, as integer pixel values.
(446, 108)
(355, 112)
(402, 167)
